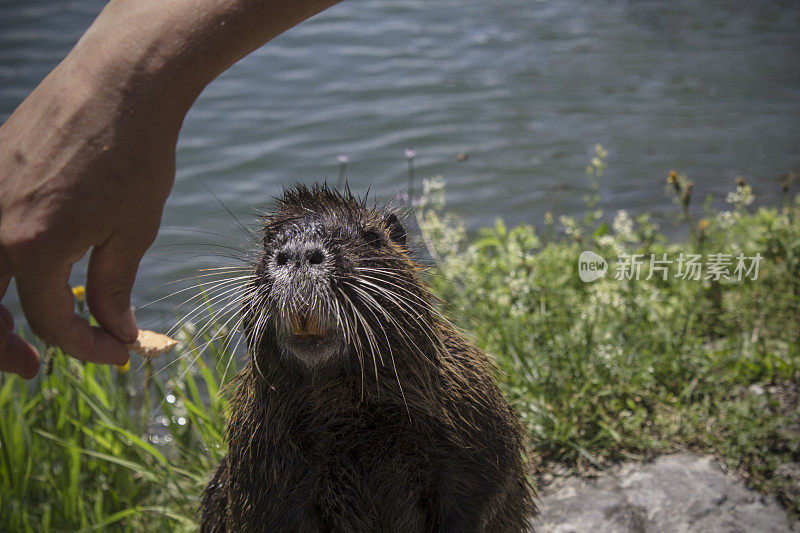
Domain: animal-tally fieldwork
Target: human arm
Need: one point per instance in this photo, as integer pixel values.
(88, 159)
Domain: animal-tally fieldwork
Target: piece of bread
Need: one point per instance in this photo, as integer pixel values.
(152, 344)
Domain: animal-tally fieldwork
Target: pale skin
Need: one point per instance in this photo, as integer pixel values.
(88, 160)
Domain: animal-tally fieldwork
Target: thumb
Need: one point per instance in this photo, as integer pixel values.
(112, 271)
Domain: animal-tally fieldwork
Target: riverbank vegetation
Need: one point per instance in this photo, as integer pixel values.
(651, 357)
(646, 359)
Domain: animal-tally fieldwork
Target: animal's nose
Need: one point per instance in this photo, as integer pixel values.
(296, 255)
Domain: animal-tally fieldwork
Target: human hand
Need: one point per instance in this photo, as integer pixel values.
(81, 166)
(88, 159)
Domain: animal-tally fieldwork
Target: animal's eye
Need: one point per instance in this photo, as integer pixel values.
(271, 235)
(373, 237)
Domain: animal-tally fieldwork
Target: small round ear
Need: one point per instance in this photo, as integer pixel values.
(396, 230)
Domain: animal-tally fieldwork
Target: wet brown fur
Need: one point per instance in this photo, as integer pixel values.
(407, 433)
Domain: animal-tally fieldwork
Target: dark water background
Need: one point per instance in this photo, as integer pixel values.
(524, 87)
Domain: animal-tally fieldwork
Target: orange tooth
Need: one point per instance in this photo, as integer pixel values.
(297, 327)
(306, 324)
(313, 327)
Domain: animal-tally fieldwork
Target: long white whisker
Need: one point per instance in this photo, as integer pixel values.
(379, 308)
(218, 295)
(406, 309)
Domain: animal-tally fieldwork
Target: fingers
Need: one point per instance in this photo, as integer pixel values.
(5, 314)
(112, 271)
(16, 355)
(7, 318)
(48, 304)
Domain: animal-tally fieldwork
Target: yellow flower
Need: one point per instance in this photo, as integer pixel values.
(124, 368)
(79, 292)
(702, 225)
(673, 176)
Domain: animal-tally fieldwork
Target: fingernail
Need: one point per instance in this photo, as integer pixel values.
(128, 326)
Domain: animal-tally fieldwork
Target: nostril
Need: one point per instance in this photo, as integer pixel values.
(281, 258)
(316, 257)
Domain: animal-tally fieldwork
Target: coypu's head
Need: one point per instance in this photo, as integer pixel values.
(334, 283)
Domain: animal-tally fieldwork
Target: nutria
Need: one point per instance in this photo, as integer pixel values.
(360, 408)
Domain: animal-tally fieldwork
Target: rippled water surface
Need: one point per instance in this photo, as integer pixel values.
(524, 87)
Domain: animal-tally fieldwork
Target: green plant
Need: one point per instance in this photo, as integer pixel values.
(600, 371)
(88, 447)
(633, 366)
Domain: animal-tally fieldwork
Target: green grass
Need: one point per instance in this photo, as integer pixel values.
(599, 371)
(618, 369)
(76, 453)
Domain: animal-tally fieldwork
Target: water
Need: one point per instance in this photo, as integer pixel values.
(524, 87)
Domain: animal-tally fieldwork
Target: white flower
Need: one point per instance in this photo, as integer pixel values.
(570, 226)
(623, 223)
(605, 240)
(742, 196)
(726, 219)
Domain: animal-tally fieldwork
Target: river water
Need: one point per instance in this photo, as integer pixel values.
(524, 88)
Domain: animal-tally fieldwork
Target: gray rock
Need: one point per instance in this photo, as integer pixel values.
(681, 493)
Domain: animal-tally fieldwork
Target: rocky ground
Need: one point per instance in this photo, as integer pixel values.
(675, 493)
